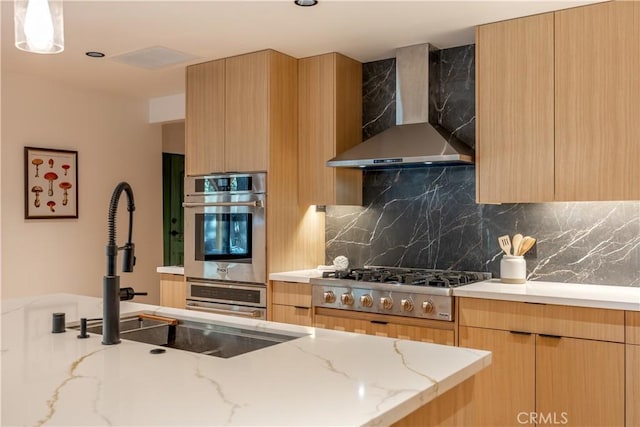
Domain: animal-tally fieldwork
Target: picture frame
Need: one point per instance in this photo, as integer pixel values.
(50, 183)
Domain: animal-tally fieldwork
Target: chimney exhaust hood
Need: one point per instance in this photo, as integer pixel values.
(413, 140)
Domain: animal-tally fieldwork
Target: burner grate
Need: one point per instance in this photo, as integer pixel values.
(413, 277)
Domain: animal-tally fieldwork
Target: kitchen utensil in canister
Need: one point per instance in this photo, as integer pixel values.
(526, 245)
(505, 244)
(516, 242)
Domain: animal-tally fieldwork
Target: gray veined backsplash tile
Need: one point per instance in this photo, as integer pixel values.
(453, 88)
(427, 217)
(378, 97)
(579, 242)
(423, 217)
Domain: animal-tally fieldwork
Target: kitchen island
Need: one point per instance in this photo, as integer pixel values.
(323, 378)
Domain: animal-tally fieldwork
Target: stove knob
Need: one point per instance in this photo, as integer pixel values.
(329, 297)
(386, 303)
(366, 300)
(346, 298)
(427, 306)
(407, 305)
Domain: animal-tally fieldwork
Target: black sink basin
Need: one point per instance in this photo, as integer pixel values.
(198, 337)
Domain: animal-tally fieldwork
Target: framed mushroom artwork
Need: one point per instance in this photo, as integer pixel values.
(50, 183)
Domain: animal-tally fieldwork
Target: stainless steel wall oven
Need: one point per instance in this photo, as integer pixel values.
(225, 249)
(225, 227)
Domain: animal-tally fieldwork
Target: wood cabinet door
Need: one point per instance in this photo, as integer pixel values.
(514, 110)
(173, 291)
(507, 387)
(329, 122)
(205, 118)
(633, 385)
(316, 129)
(292, 314)
(580, 381)
(597, 106)
(246, 101)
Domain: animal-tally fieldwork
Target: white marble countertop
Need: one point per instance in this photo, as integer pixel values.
(171, 269)
(597, 296)
(324, 378)
(298, 276)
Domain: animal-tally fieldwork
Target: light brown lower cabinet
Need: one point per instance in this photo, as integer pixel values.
(580, 381)
(507, 387)
(633, 385)
(562, 365)
(292, 314)
(435, 331)
(291, 303)
(173, 291)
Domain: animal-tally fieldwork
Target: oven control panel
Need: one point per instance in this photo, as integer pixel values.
(408, 304)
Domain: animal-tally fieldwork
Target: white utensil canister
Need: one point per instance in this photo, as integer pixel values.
(513, 269)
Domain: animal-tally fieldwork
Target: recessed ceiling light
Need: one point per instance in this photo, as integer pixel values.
(95, 54)
(306, 3)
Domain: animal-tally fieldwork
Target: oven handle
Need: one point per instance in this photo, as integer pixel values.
(255, 204)
(196, 307)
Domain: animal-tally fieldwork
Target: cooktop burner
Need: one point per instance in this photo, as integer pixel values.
(412, 276)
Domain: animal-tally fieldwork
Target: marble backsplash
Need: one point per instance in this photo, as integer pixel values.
(427, 217)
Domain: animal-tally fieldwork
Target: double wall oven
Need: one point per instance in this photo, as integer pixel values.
(225, 249)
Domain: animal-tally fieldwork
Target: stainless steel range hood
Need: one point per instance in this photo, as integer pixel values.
(413, 140)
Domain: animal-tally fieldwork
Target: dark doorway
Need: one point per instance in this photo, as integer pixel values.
(172, 197)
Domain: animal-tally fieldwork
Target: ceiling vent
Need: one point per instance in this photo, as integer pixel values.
(153, 58)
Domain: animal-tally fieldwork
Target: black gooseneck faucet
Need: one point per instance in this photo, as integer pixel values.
(111, 283)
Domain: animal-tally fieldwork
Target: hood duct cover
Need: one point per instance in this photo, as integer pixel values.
(413, 140)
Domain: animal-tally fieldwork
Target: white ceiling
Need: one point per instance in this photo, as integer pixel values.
(364, 30)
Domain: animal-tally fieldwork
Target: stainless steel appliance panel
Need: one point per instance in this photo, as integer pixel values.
(229, 310)
(226, 183)
(225, 228)
(236, 299)
(408, 304)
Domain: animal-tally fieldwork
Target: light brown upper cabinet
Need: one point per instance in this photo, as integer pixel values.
(330, 121)
(557, 106)
(597, 109)
(239, 111)
(514, 110)
(204, 119)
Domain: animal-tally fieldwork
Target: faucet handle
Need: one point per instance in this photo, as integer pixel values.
(128, 293)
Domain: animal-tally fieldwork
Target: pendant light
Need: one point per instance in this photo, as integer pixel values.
(39, 26)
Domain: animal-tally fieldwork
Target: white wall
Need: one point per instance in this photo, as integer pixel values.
(167, 108)
(115, 143)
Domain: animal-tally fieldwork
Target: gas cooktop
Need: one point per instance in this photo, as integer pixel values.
(411, 292)
(409, 276)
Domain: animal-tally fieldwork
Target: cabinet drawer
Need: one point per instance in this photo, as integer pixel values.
(288, 293)
(633, 327)
(581, 322)
(433, 331)
(578, 322)
(494, 314)
(290, 314)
